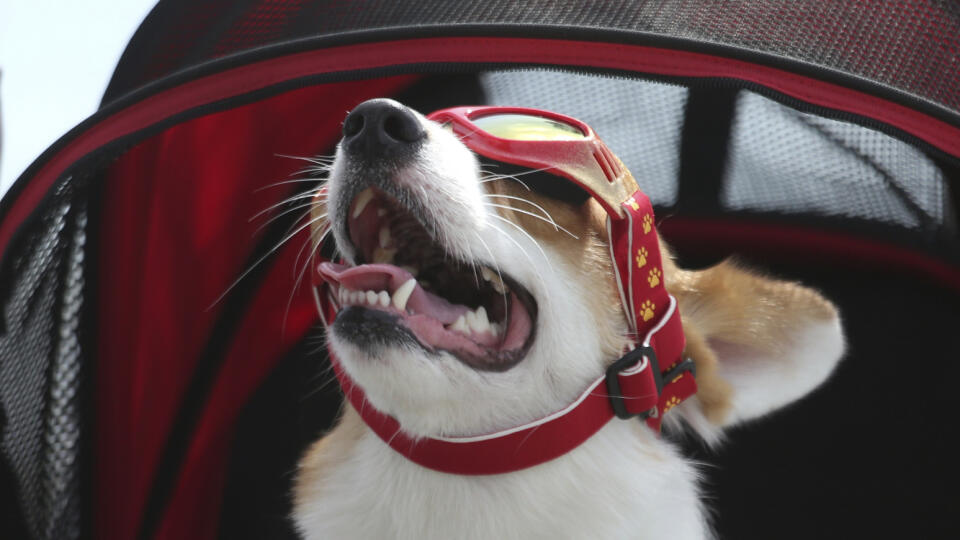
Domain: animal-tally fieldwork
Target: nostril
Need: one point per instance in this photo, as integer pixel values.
(352, 125)
(402, 127)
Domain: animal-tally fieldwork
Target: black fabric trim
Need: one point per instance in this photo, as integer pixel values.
(708, 118)
(193, 403)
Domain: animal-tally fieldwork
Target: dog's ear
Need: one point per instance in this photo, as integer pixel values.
(758, 343)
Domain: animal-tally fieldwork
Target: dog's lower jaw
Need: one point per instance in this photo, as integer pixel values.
(624, 482)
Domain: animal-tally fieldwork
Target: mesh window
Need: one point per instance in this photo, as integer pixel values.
(788, 161)
(640, 121)
(40, 368)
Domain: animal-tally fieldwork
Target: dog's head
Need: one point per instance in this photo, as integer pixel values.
(476, 296)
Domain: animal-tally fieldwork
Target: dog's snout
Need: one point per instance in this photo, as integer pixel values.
(381, 128)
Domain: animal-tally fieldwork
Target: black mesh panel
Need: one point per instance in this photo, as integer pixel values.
(40, 368)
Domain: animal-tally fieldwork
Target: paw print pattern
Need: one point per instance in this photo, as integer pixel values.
(646, 310)
(632, 203)
(654, 278)
(671, 403)
(642, 257)
(647, 223)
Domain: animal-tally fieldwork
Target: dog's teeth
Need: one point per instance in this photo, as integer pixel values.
(402, 294)
(483, 324)
(371, 298)
(383, 256)
(344, 296)
(384, 298)
(413, 271)
(384, 236)
(359, 203)
(460, 325)
(495, 329)
(477, 320)
(494, 279)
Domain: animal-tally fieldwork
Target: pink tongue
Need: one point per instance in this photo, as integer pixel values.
(386, 277)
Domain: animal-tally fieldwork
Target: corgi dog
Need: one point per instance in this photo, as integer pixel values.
(474, 298)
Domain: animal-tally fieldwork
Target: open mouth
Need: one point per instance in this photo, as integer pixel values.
(481, 316)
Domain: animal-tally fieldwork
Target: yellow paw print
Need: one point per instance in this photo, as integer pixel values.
(671, 403)
(654, 278)
(647, 223)
(646, 310)
(642, 257)
(633, 203)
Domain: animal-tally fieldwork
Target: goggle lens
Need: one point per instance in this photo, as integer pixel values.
(525, 127)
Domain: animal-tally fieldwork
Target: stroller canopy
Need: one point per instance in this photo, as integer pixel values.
(161, 362)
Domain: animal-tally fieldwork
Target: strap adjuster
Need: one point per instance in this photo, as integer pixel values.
(613, 382)
(630, 359)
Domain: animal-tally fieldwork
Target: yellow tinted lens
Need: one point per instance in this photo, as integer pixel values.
(524, 127)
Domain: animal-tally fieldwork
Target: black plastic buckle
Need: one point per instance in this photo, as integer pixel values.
(613, 383)
(685, 365)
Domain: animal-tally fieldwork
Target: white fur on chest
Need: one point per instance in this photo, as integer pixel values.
(622, 483)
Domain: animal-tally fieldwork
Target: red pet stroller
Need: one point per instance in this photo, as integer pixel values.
(144, 397)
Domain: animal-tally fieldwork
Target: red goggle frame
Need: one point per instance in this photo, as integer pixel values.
(585, 160)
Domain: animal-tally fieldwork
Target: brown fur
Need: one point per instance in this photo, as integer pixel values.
(724, 303)
(327, 453)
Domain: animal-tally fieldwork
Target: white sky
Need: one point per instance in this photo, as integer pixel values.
(56, 57)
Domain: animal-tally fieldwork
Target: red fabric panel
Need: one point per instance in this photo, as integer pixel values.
(268, 330)
(176, 232)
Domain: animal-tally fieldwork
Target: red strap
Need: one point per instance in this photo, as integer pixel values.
(635, 249)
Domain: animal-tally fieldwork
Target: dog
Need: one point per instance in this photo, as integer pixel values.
(474, 298)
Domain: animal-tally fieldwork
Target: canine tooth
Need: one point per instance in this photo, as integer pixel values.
(402, 294)
(494, 279)
(460, 325)
(363, 198)
(495, 329)
(413, 271)
(371, 298)
(383, 256)
(384, 236)
(384, 298)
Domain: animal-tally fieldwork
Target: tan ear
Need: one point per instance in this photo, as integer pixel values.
(758, 343)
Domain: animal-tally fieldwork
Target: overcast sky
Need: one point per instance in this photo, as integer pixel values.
(56, 57)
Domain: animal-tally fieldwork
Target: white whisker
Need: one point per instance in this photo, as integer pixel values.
(293, 181)
(548, 219)
(308, 195)
(261, 259)
(285, 212)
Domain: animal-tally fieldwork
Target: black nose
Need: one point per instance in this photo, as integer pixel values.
(381, 128)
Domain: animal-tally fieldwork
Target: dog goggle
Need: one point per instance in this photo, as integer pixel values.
(547, 141)
(649, 379)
